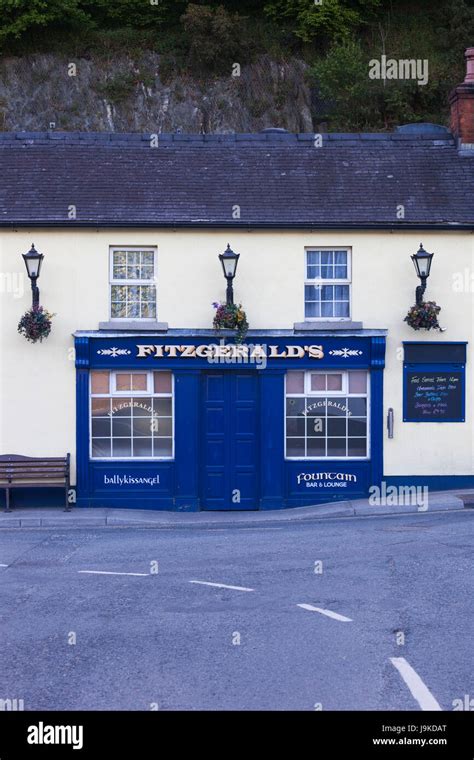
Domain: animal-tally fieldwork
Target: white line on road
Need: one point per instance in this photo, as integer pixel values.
(106, 572)
(329, 613)
(223, 585)
(2, 565)
(418, 689)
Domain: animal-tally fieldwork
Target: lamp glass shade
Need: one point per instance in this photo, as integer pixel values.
(229, 261)
(422, 262)
(33, 261)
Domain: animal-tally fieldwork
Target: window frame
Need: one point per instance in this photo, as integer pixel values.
(307, 392)
(144, 394)
(319, 281)
(133, 248)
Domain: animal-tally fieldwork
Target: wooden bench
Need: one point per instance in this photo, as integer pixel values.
(34, 472)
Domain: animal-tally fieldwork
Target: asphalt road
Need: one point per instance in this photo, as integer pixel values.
(156, 640)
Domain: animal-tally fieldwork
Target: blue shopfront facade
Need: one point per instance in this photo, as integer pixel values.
(189, 420)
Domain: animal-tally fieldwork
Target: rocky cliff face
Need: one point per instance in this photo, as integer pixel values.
(106, 93)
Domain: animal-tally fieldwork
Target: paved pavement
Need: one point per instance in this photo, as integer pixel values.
(442, 501)
(340, 614)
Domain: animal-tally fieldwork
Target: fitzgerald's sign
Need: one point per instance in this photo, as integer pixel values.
(278, 351)
(209, 351)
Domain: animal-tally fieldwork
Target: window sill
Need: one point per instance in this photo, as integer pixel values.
(326, 325)
(133, 326)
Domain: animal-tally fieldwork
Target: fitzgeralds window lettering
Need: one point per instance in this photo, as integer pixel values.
(327, 284)
(133, 283)
(132, 415)
(327, 415)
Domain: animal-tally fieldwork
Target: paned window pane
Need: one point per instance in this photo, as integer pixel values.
(334, 382)
(163, 447)
(357, 382)
(162, 382)
(100, 382)
(318, 382)
(295, 447)
(295, 382)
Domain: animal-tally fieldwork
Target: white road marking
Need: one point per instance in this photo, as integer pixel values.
(416, 686)
(223, 585)
(106, 572)
(329, 613)
(2, 565)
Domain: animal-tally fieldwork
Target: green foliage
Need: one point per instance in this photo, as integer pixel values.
(350, 101)
(454, 21)
(134, 13)
(215, 37)
(231, 317)
(35, 324)
(327, 20)
(18, 17)
(424, 316)
(341, 80)
(118, 88)
(336, 38)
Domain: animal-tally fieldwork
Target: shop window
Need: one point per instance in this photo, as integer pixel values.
(133, 283)
(327, 415)
(132, 415)
(327, 284)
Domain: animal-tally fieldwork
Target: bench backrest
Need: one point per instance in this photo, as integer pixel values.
(15, 468)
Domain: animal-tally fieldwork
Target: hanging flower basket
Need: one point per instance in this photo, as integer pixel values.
(424, 316)
(231, 317)
(35, 324)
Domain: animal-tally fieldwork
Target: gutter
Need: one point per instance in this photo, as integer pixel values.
(443, 226)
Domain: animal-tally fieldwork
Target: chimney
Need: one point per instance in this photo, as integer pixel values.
(461, 101)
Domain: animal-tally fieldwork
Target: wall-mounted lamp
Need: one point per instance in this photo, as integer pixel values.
(229, 261)
(422, 263)
(33, 261)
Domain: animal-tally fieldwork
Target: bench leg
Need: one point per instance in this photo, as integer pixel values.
(7, 509)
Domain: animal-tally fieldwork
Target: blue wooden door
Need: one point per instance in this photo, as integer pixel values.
(230, 441)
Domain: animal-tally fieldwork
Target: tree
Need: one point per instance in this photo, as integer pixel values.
(325, 20)
(136, 14)
(18, 17)
(215, 37)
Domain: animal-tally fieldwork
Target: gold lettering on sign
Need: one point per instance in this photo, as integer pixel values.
(187, 351)
(295, 352)
(242, 352)
(274, 353)
(205, 351)
(258, 352)
(314, 352)
(145, 351)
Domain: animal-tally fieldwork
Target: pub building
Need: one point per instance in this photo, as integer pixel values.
(129, 239)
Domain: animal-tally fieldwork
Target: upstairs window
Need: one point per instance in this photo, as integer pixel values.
(327, 284)
(133, 283)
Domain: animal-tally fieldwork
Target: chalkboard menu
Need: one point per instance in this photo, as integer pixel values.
(433, 395)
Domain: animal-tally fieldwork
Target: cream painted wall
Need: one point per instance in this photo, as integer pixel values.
(37, 381)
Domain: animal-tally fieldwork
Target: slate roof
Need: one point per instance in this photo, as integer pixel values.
(277, 180)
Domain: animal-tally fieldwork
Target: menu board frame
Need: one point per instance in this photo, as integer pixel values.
(442, 369)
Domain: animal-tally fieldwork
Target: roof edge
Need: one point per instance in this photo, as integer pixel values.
(451, 226)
